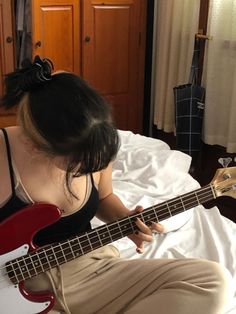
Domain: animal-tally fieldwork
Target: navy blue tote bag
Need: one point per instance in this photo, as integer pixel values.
(189, 110)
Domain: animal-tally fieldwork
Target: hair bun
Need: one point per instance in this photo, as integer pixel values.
(35, 73)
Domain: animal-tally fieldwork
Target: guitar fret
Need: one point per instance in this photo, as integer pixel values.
(80, 245)
(24, 269)
(123, 226)
(40, 263)
(120, 229)
(157, 218)
(35, 262)
(71, 249)
(67, 253)
(54, 254)
(104, 235)
(60, 254)
(205, 194)
(213, 191)
(76, 247)
(182, 202)
(197, 198)
(131, 224)
(116, 233)
(168, 208)
(176, 206)
(85, 244)
(62, 251)
(43, 259)
(32, 263)
(143, 219)
(20, 276)
(90, 244)
(95, 240)
(149, 216)
(190, 202)
(126, 227)
(12, 272)
(163, 213)
(109, 233)
(99, 237)
(92, 241)
(48, 261)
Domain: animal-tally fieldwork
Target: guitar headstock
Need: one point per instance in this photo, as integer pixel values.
(224, 182)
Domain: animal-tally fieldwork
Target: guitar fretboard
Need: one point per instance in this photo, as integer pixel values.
(48, 257)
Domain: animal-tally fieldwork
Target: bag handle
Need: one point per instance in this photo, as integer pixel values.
(193, 77)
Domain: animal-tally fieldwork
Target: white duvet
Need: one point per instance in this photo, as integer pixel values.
(147, 172)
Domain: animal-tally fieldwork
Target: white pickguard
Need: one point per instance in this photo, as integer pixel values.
(11, 300)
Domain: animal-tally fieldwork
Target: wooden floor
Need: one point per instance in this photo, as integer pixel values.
(203, 170)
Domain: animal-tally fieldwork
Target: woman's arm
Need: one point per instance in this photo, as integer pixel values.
(111, 208)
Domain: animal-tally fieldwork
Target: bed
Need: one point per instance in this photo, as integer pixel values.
(147, 172)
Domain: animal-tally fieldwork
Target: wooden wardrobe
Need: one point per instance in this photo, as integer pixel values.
(102, 41)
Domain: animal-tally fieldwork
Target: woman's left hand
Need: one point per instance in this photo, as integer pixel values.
(144, 233)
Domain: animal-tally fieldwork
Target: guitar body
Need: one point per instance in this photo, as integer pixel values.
(16, 239)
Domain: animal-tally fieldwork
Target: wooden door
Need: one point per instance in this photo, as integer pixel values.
(56, 33)
(6, 55)
(113, 49)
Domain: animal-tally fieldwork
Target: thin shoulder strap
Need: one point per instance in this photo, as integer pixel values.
(9, 161)
(92, 179)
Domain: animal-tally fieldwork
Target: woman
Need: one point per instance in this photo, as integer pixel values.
(61, 153)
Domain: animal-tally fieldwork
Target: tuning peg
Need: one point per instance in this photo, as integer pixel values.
(227, 176)
(225, 161)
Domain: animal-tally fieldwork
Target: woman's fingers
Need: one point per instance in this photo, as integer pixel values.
(157, 227)
(148, 230)
(145, 232)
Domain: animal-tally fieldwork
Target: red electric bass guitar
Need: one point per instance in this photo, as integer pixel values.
(20, 259)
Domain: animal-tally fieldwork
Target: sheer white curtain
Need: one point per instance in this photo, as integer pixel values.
(220, 76)
(175, 26)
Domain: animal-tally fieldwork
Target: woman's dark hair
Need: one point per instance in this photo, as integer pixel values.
(64, 116)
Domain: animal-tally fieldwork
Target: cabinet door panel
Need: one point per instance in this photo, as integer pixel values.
(111, 56)
(6, 55)
(56, 32)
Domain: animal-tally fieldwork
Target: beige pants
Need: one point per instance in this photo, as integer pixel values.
(101, 282)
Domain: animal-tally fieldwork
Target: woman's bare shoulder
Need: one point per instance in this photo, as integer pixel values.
(105, 173)
(4, 171)
(2, 150)
(5, 180)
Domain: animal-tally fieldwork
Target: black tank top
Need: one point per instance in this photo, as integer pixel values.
(66, 226)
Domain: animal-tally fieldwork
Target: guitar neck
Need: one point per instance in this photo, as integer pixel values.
(48, 257)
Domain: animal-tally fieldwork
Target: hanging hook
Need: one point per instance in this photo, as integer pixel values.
(204, 37)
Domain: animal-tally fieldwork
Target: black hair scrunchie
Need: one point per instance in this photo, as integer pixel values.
(35, 74)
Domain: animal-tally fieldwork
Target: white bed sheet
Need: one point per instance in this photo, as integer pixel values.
(147, 172)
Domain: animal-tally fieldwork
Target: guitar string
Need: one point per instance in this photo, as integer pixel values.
(93, 231)
(43, 251)
(26, 272)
